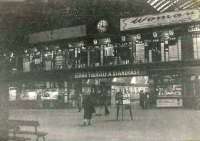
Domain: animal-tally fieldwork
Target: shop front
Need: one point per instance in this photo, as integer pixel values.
(169, 89)
(38, 95)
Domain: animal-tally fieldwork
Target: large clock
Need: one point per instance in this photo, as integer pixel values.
(102, 26)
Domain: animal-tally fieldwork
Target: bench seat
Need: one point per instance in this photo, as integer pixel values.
(15, 138)
(38, 133)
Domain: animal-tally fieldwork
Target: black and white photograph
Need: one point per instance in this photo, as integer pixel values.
(99, 70)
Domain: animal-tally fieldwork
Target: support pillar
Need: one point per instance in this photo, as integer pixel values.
(4, 110)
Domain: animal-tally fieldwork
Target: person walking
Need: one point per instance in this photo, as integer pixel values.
(147, 100)
(104, 94)
(142, 97)
(119, 101)
(127, 102)
(105, 103)
(79, 102)
(88, 106)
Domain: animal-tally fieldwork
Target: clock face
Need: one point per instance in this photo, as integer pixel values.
(102, 26)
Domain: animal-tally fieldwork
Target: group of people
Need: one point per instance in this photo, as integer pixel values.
(146, 99)
(88, 103)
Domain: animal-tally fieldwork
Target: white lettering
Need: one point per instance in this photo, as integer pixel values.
(184, 16)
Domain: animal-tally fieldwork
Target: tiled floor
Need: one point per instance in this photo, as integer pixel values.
(148, 125)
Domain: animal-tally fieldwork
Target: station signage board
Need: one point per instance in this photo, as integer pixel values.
(106, 74)
(168, 18)
(58, 34)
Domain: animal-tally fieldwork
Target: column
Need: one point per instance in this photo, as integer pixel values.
(3, 102)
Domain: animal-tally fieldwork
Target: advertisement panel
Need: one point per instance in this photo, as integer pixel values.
(169, 102)
(12, 93)
(169, 18)
(28, 95)
(50, 95)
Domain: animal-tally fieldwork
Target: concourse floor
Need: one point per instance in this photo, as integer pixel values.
(147, 125)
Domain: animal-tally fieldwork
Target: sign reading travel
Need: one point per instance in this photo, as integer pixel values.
(106, 74)
(169, 18)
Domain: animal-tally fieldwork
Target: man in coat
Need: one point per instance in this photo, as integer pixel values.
(88, 106)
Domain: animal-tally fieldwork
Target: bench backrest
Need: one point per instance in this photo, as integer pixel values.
(17, 123)
(24, 122)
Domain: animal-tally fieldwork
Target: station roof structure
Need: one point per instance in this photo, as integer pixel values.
(171, 5)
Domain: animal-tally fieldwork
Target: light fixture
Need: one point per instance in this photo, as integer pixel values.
(114, 79)
(133, 80)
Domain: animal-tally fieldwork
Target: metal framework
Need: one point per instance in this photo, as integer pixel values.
(171, 5)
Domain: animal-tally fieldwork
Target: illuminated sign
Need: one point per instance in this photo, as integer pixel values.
(105, 74)
(28, 95)
(148, 21)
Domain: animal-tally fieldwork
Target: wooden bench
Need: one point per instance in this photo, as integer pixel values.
(15, 128)
(15, 138)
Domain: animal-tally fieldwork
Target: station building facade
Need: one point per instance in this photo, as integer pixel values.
(157, 53)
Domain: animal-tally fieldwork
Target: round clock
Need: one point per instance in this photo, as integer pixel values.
(102, 26)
